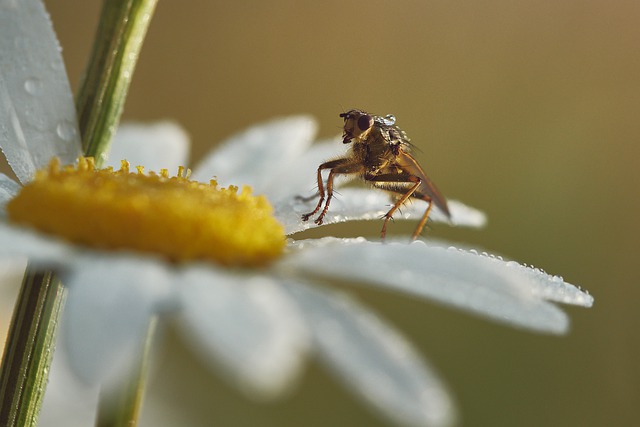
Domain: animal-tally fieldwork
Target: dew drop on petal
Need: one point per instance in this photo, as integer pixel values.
(55, 65)
(66, 130)
(33, 86)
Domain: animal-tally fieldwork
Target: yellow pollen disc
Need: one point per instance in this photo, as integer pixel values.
(157, 213)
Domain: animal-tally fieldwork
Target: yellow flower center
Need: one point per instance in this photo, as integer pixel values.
(172, 216)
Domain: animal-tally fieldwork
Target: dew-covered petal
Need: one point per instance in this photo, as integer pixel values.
(37, 112)
(41, 250)
(110, 304)
(354, 204)
(8, 189)
(548, 287)
(153, 145)
(461, 214)
(257, 154)
(479, 284)
(373, 359)
(246, 325)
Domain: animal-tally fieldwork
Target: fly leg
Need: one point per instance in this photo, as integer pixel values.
(395, 207)
(401, 178)
(423, 221)
(345, 169)
(326, 165)
(337, 167)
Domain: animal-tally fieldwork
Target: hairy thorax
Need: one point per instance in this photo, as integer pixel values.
(373, 152)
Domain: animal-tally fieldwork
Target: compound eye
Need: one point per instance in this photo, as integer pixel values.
(365, 122)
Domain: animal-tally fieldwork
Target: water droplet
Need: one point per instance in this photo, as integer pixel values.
(66, 130)
(389, 120)
(557, 279)
(33, 86)
(473, 251)
(512, 264)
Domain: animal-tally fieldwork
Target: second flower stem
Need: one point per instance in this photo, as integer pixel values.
(120, 405)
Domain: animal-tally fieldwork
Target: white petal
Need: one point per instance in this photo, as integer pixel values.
(552, 288)
(461, 214)
(8, 189)
(374, 360)
(155, 146)
(256, 155)
(479, 284)
(110, 303)
(40, 249)
(247, 324)
(37, 111)
(354, 204)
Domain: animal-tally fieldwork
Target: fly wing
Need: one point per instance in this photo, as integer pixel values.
(427, 188)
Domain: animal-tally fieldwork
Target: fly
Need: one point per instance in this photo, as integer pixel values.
(380, 155)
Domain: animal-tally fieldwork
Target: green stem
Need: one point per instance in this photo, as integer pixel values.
(29, 347)
(120, 405)
(27, 354)
(104, 88)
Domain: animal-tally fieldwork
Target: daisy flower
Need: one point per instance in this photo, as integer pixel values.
(209, 251)
(255, 313)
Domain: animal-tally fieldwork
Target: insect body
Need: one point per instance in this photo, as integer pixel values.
(380, 155)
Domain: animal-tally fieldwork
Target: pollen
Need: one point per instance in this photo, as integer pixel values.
(156, 213)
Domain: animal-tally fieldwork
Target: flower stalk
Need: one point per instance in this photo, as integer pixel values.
(120, 406)
(29, 348)
(121, 31)
(30, 343)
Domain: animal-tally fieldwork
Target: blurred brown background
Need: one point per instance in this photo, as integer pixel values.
(527, 110)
